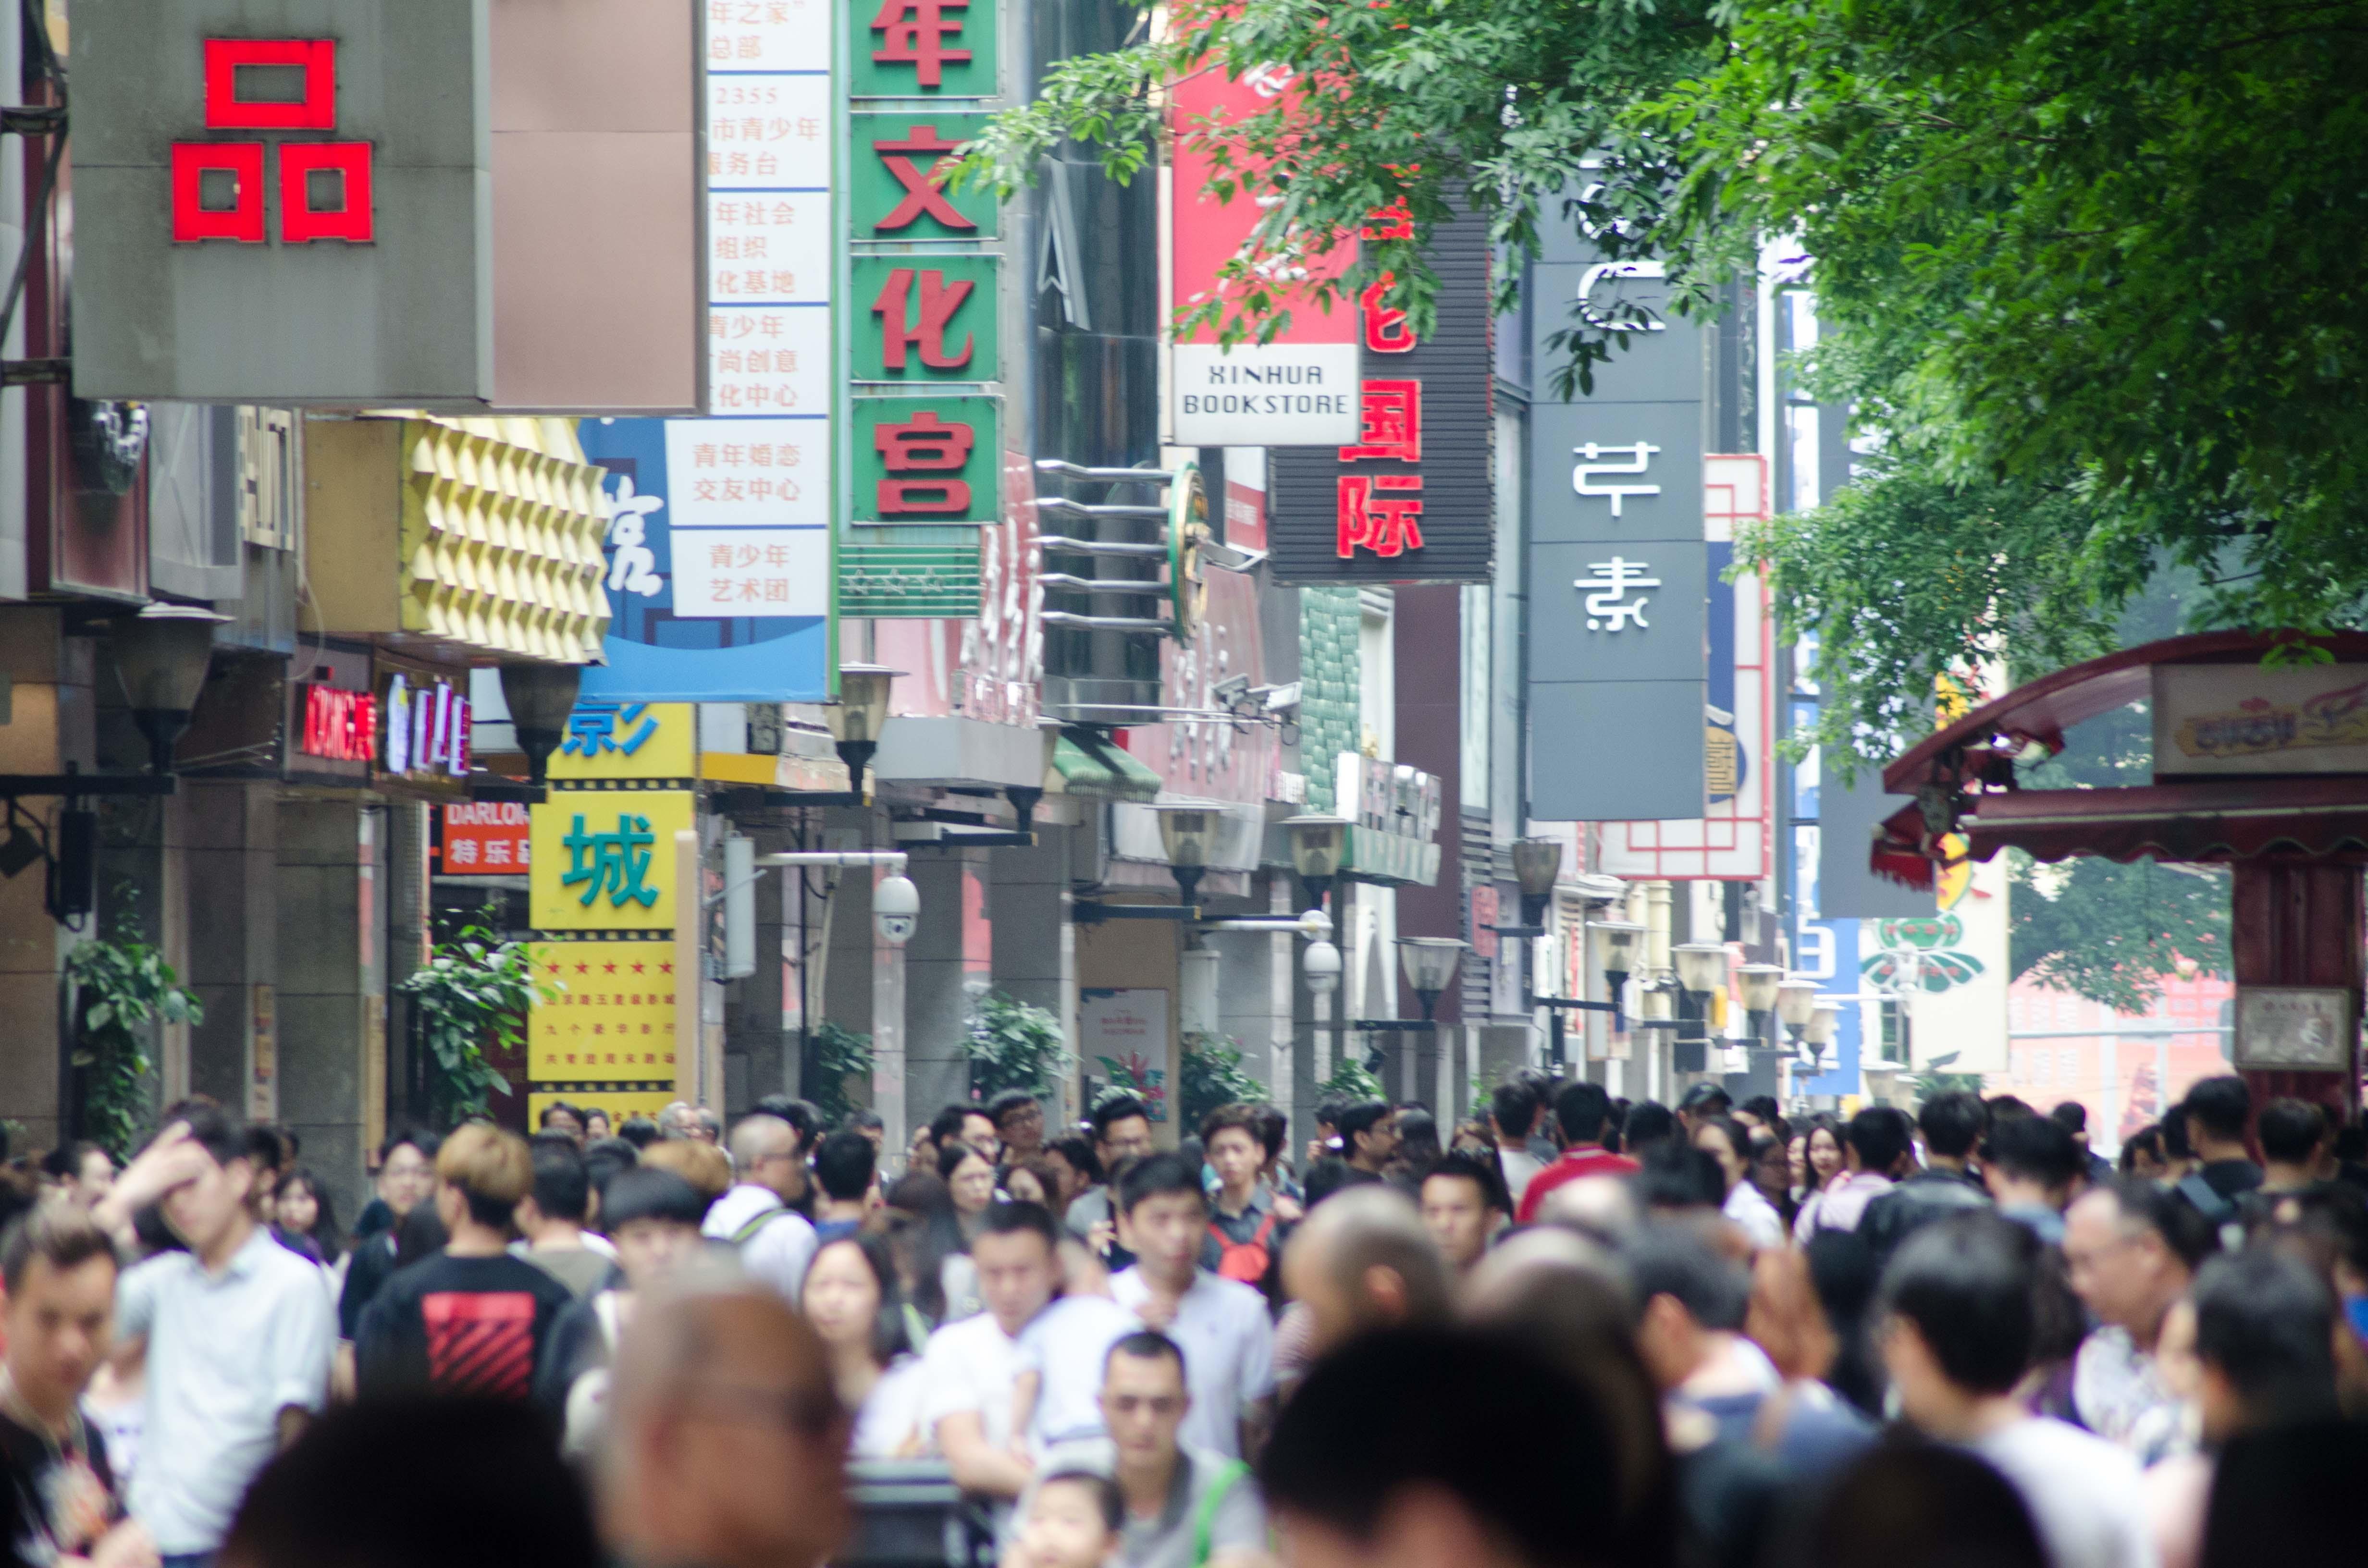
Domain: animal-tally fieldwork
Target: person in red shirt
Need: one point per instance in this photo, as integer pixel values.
(1581, 1108)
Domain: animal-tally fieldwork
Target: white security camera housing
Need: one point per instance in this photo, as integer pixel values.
(896, 909)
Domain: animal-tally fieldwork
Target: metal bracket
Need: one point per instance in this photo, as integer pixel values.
(1089, 913)
(73, 786)
(34, 372)
(32, 120)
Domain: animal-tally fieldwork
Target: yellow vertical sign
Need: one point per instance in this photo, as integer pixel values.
(629, 739)
(603, 860)
(610, 1018)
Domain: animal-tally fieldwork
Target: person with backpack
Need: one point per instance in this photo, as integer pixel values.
(1245, 1234)
(775, 1241)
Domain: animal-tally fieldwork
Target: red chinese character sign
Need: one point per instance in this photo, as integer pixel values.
(1410, 497)
(930, 318)
(219, 189)
(928, 460)
(899, 162)
(924, 49)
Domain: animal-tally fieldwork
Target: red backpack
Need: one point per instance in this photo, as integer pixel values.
(1245, 1261)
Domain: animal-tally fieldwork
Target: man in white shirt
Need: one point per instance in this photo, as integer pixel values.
(239, 1332)
(776, 1241)
(1957, 1302)
(971, 1366)
(1227, 1338)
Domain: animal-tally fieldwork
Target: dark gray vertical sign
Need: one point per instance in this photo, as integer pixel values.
(1618, 567)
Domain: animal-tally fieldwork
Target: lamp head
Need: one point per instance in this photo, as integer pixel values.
(1318, 844)
(539, 697)
(1759, 985)
(161, 656)
(1429, 962)
(1612, 944)
(1796, 1000)
(862, 710)
(1700, 965)
(1536, 863)
(1822, 1019)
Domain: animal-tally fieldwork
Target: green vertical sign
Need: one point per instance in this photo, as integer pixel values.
(894, 159)
(926, 49)
(928, 460)
(924, 318)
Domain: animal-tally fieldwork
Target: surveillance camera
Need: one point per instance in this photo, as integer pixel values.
(896, 909)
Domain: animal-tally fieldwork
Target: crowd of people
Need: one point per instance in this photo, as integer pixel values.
(1583, 1332)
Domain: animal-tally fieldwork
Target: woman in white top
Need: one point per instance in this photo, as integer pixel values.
(1724, 1139)
(851, 1297)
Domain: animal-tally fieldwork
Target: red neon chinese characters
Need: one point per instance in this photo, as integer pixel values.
(1385, 329)
(922, 200)
(927, 444)
(337, 207)
(349, 164)
(1377, 515)
(242, 221)
(919, 40)
(939, 302)
(1389, 424)
(317, 110)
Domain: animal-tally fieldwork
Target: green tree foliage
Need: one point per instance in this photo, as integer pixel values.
(2109, 933)
(1014, 1046)
(2089, 267)
(476, 990)
(1213, 1074)
(121, 985)
(840, 1054)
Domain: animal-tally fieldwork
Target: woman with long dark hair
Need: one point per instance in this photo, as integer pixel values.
(850, 1296)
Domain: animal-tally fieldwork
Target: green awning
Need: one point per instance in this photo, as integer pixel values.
(1090, 763)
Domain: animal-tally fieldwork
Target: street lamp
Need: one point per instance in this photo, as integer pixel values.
(161, 656)
(1611, 947)
(1759, 984)
(1429, 964)
(539, 697)
(1186, 834)
(1796, 1000)
(1536, 863)
(1701, 967)
(1318, 844)
(1820, 1029)
(857, 717)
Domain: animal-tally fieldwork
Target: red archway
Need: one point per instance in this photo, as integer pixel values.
(2268, 774)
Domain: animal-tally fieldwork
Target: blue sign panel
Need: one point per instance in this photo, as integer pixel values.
(719, 560)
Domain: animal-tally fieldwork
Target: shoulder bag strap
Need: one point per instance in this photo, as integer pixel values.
(1204, 1519)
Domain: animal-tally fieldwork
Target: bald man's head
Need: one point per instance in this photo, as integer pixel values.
(714, 1382)
(1361, 1260)
(765, 1149)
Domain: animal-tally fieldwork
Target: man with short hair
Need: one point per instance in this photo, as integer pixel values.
(2130, 1251)
(1018, 1119)
(805, 1119)
(2215, 1114)
(726, 1444)
(470, 1319)
(1122, 1125)
(1463, 1207)
(1877, 1147)
(2031, 1165)
(845, 1172)
(1245, 1232)
(1368, 1135)
(1952, 1125)
(1441, 1449)
(2073, 1116)
(551, 1218)
(776, 1241)
(866, 1122)
(562, 1118)
(61, 1498)
(970, 1367)
(1221, 1325)
(1581, 1108)
(1958, 1306)
(2265, 1326)
(1184, 1507)
(2293, 1135)
(239, 1331)
(1513, 1112)
(971, 1125)
(406, 1177)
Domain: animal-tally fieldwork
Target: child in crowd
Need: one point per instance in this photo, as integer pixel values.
(1057, 1396)
(1075, 1520)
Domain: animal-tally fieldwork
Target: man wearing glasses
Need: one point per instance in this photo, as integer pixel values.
(1019, 1119)
(1184, 1507)
(775, 1241)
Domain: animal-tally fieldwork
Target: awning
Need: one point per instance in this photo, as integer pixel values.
(1090, 763)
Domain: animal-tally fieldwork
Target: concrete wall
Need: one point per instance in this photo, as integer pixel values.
(50, 724)
(331, 925)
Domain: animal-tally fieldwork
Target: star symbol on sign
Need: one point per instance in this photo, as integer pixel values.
(584, 969)
(641, 968)
(666, 969)
(608, 969)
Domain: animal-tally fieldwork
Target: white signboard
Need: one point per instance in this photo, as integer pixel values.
(2256, 718)
(2306, 1027)
(1266, 394)
(1950, 968)
(1123, 1035)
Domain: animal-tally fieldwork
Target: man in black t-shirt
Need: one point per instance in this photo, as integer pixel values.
(470, 1319)
(2217, 1111)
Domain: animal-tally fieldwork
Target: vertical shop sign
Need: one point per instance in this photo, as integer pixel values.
(1410, 497)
